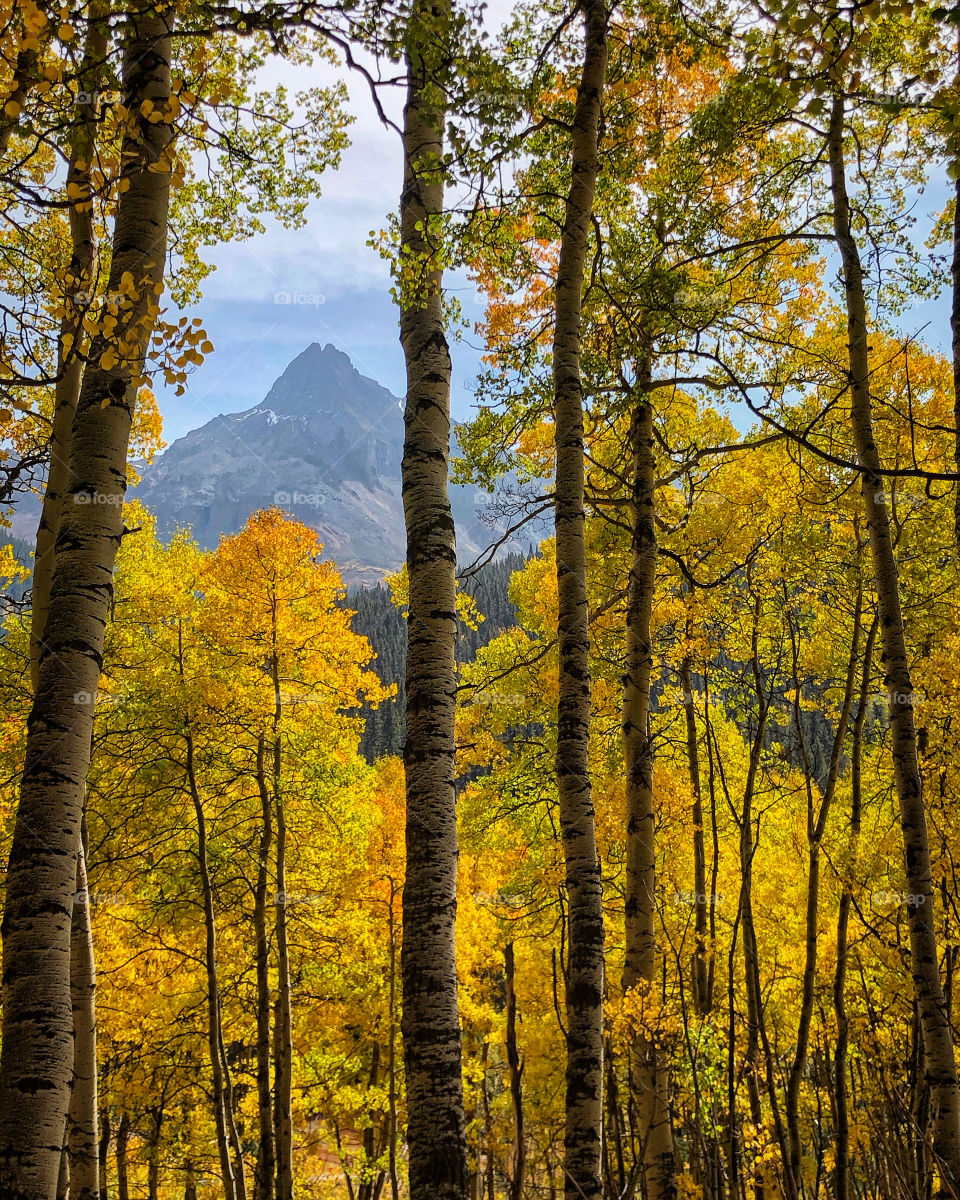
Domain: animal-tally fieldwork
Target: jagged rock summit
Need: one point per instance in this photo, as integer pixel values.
(325, 444)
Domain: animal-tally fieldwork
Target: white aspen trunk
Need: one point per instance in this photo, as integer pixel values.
(583, 1133)
(436, 1137)
(36, 1060)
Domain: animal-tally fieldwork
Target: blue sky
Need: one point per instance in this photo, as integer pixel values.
(339, 284)
(339, 288)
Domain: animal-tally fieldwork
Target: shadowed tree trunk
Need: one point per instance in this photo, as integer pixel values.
(227, 1141)
(436, 1135)
(939, 1063)
(702, 990)
(515, 1067)
(955, 348)
(282, 1029)
(816, 828)
(82, 1125)
(585, 959)
(123, 1143)
(105, 1132)
(648, 1076)
(263, 1182)
(36, 1058)
(841, 1181)
(25, 76)
(282, 1018)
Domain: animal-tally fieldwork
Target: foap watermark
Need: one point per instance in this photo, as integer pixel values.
(897, 699)
(694, 899)
(899, 498)
(685, 698)
(292, 899)
(107, 499)
(90, 899)
(304, 299)
(885, 899)
(92, 99)
(303, 499)
(287, 698)
(101, 699)
(490, 696)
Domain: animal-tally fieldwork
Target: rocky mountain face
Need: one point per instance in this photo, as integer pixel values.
(325, 445)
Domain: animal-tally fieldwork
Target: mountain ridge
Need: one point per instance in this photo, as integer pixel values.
(325, 444)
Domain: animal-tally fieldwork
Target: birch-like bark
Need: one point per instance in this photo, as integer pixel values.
(36, 1057)
(436, 1135)
(940, 1068)
(82, 1125)
(585, 959)
(83, 269)
(648, 1075)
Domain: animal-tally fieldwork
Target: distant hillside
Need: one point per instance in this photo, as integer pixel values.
(382, 622)
(325, 444)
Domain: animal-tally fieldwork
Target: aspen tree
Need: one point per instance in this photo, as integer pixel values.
(640, 908)
(36, 1058)
(585, 963)
(431, 1021)
(940, 1066)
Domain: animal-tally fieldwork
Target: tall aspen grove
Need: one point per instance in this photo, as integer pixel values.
(480, 599)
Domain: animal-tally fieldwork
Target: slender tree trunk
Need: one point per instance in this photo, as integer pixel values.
(153, 1154)
(104, 1153)
(436, 1136)
(392, 1050)
(750, 952)
(25, 76)
(283, 1011)
(82, 1125)
(83, 268)
(515, 1067)
(263, 1183)
(189, 1181)
(816, 828)
(583, 1132)
(702, 901)
(36, 1057)
(63, 1177)
(123, 1143)
(649, 1078)
(222, 1106)
(842, 1175)
(955, 347)
(940, 1068)
(282, 1030)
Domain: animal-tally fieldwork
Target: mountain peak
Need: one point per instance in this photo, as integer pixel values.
(329, 355)
(326, 445)
(322, 381)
